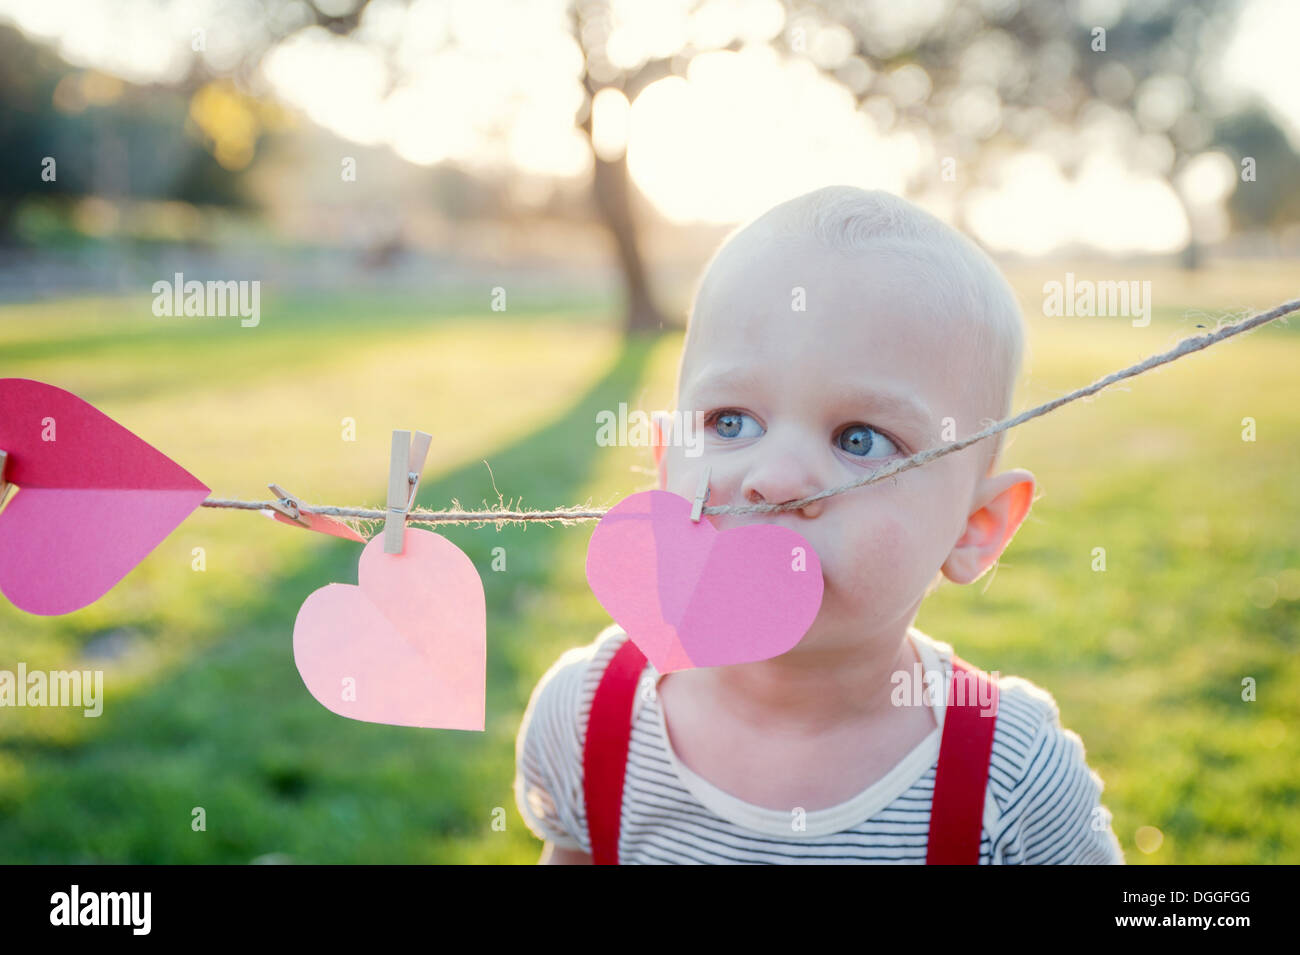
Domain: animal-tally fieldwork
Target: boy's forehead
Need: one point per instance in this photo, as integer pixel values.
(846, 292)
(822, 312)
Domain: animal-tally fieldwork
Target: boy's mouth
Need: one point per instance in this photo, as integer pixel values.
(786, 519)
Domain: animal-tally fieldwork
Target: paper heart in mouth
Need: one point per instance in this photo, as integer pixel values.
(689, 595)
(93, 499)
(407, 646)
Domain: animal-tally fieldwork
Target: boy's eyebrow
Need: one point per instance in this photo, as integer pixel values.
(895, 405)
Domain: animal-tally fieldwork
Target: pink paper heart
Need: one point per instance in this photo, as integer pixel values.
(411, 638)
(689, 595)
(91, 504)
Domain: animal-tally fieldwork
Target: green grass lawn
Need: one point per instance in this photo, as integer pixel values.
(204, 707)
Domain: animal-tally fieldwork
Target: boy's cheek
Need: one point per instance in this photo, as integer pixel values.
(877, 567)
(866, 553)
(882, 541)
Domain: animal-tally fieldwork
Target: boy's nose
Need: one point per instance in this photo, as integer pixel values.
(780, 481)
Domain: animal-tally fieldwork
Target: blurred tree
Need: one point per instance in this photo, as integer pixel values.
(1021, 72)
(105, 137)
(612, 188)
(28, 75)
(1272, 199)
(612, 192)
(973, 72)
(977, 78)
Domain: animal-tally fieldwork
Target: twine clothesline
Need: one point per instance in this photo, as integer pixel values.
(573, 515)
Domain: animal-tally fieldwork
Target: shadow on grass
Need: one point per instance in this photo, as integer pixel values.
(234, 737)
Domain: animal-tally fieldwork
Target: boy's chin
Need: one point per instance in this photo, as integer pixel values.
(850, 611)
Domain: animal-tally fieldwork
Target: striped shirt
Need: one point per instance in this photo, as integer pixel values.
(1041, 805)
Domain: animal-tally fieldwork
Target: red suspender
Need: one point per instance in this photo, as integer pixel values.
(957, 812)
(956, 815)
(604, 755)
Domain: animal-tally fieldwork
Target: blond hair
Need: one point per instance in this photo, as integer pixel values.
(958, 274)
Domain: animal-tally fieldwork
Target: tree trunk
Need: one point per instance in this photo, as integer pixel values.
(1190, 258)
(612, 186)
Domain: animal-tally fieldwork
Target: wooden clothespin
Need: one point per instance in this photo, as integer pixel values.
(287, 505)
(5, 487)
(701, 495)
(404, 469)
(289, 509)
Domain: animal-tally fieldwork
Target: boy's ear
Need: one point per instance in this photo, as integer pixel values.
(658, 441)
(1002, 502)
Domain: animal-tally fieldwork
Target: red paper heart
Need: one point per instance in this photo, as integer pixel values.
(91, 504)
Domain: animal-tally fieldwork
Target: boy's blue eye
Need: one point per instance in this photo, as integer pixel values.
(733, 424)
(860, 440)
